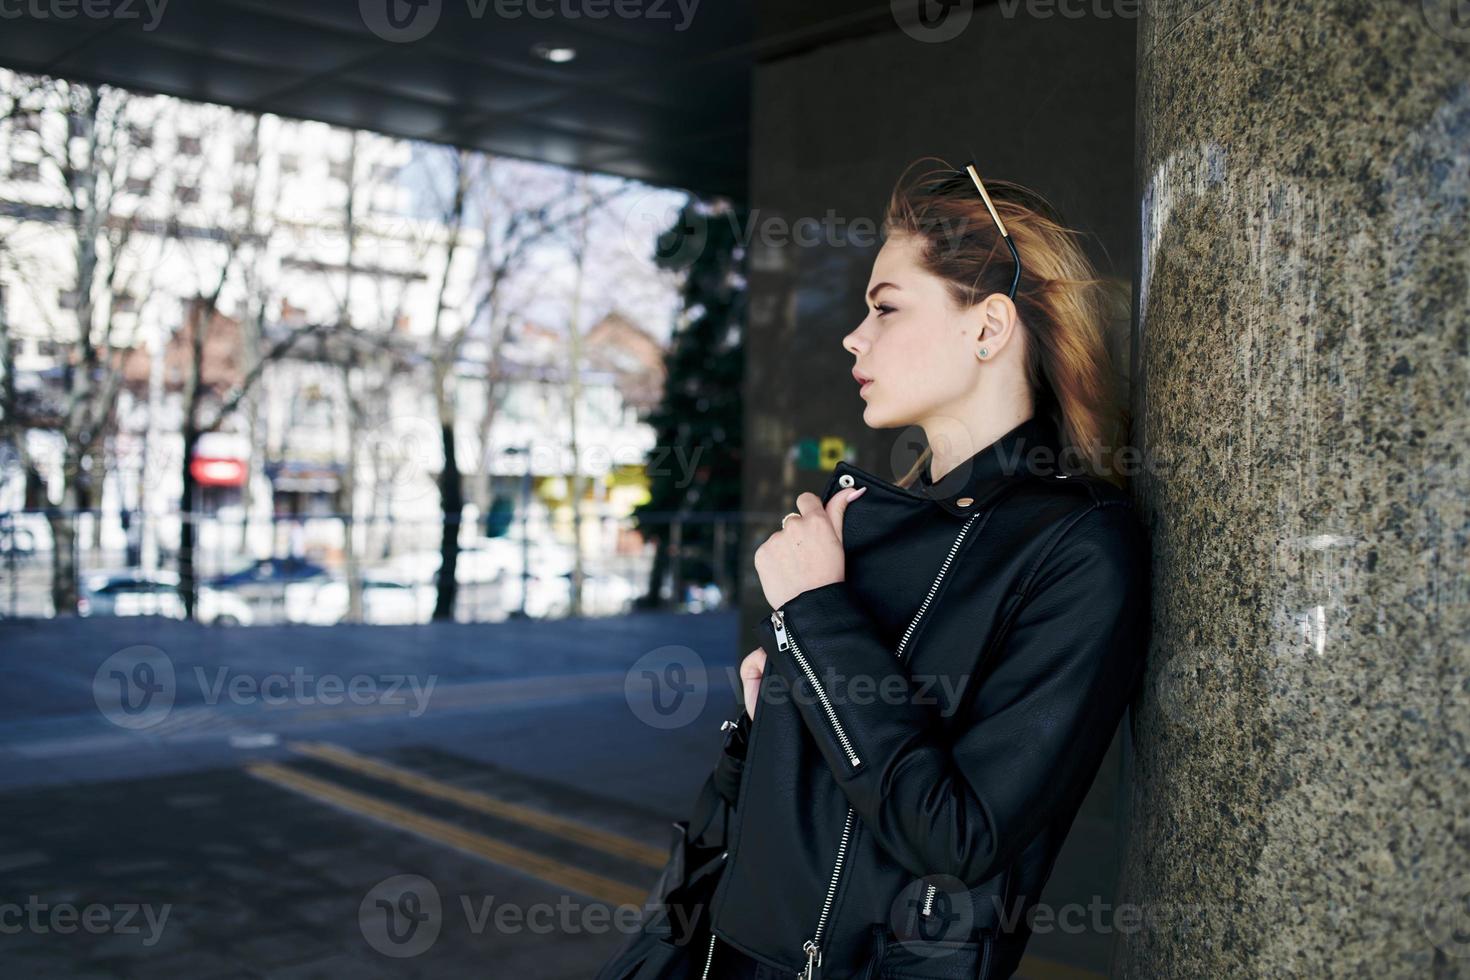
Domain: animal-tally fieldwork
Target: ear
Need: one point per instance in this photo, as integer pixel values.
(998, 322)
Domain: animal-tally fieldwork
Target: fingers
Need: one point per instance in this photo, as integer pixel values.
(837, 508)
(752, 669)
(808, 504)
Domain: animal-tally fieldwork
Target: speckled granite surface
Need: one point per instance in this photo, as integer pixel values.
(1301, 802)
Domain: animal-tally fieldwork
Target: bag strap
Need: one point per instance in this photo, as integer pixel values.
(707, 806)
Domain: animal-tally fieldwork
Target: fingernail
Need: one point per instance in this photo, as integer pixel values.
(857, 493)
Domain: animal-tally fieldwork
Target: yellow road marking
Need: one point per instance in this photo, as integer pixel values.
(603, 889)
(554, 872)
(572, 830)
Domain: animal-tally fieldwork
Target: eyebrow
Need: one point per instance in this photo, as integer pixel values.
(882, 285)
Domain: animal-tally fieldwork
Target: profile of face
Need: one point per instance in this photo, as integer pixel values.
(920, 348)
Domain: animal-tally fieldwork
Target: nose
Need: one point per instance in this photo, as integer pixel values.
(853, 343)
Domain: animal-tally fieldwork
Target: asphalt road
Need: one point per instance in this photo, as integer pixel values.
(238, 802)
(447, 800)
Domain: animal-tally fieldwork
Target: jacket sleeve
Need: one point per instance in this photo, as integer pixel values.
(1025, 745)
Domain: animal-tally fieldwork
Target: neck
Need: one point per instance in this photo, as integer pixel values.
(955, 437)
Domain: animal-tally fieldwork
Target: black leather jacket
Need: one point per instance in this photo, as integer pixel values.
(928, 727)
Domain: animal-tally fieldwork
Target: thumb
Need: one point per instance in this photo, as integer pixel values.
(752, 670)
(837, 508)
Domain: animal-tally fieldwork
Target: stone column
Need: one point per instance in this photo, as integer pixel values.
(1301, 787)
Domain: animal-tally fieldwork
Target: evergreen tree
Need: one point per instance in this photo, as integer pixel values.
(695, 466)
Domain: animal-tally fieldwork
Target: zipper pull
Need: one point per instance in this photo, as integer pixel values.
(778, 620)
(813, 960)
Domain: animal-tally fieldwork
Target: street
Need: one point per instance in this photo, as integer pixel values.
(447, 800)
(251, 827)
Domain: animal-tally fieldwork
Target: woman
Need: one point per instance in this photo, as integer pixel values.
(948, 656)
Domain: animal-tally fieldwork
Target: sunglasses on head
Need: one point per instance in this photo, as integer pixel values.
(989, 206)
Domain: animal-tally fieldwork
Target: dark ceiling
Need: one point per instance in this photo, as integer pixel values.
(661, 97)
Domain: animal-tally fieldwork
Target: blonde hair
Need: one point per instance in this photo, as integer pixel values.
(1062, 303)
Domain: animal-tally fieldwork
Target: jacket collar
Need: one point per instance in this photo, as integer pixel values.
(975, 481)
(971, 484)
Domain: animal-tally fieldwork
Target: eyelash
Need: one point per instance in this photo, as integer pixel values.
(882, 308)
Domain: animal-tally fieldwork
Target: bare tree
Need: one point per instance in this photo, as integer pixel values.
(367, 356)
(240, 244)
(515, 209)
(86, 140)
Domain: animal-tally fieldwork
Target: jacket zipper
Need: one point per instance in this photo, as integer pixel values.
(812, 948)
(784, 643)
(931, 890)
(710, 957)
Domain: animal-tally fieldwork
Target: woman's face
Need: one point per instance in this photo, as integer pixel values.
(915, 345)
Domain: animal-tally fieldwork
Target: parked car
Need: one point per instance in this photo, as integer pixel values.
(550, 596)
(134, 592)
(386, 600)
(276, 589)
(486, 560)
(268, 573)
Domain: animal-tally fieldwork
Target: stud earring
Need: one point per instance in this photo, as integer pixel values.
(984, 352)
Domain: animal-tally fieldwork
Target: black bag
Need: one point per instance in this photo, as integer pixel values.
(674, 937)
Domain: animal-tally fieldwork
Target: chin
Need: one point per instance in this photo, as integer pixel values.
(873, 417)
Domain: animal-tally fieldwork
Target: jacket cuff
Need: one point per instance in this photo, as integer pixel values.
(854, 695)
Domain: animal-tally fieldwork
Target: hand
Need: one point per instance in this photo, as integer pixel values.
(807, 553)
(752, 669)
